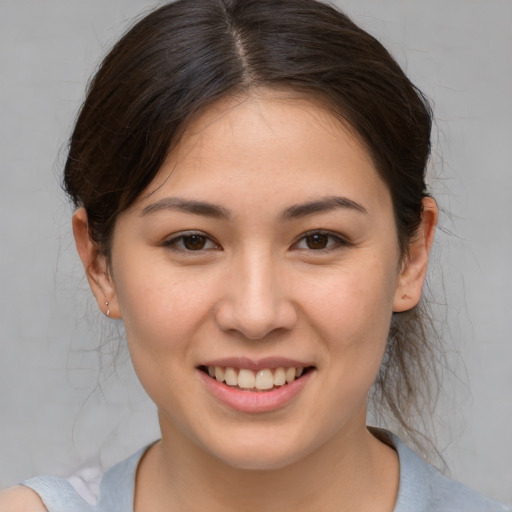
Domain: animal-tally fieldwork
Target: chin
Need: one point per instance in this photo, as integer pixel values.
(260, 455)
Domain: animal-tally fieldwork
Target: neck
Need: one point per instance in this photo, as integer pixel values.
(353, 471)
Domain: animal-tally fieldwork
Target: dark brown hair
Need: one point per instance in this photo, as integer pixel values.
(187, 54)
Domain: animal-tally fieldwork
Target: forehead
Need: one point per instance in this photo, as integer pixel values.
(269, 146)
(266, 117)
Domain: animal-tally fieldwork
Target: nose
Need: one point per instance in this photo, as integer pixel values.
(255, 301)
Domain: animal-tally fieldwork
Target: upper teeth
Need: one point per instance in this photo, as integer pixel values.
(260, 379)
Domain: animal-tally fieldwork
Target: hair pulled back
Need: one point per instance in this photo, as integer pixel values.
(187, 54)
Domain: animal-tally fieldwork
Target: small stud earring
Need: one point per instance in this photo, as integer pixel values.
(108, 309)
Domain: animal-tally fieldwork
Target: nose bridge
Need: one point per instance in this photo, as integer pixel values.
(256, 301)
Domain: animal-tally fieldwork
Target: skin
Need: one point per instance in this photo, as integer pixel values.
(260, 288)
(20, 499)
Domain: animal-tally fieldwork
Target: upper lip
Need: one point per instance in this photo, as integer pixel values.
(256, 364)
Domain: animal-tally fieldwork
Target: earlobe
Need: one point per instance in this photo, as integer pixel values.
(96, 266)
(414, 266)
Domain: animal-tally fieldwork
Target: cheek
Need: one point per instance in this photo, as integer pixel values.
(164, 314)
(354, 298)
(353, 316)
(162, 308)
(352, 310)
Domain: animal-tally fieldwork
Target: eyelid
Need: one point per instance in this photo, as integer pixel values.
(171, 242)
(340, 241)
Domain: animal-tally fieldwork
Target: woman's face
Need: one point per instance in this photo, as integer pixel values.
(265, 244)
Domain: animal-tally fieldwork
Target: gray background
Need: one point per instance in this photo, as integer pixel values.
(62, 405)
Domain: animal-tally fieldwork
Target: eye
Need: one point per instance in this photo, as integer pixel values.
(191, 242)
(320, 241)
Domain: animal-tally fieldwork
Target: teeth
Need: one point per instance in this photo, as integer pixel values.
(246, 379)
(231, 377)
(279, 377)
(219, 374)
(262, 379)
(290, 374)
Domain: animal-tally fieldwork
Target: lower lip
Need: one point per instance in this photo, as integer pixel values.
(255, 401)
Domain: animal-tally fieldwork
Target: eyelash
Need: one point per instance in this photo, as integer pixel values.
(177, 243)
(335, 241)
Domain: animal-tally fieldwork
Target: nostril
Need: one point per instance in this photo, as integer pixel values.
(255, 314)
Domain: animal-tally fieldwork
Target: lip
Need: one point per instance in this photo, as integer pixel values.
(254, 401)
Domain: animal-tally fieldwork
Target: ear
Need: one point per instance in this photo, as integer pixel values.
(96, 266)
(415, 262)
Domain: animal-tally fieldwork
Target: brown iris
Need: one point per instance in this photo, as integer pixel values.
(317, 241)
(194, 242)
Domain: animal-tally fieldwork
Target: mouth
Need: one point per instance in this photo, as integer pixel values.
(260, 380)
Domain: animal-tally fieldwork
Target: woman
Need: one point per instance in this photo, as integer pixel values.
(249, 184)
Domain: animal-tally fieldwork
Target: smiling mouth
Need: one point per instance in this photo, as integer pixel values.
(265, 379)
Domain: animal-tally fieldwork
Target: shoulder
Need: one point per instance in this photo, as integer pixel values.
(20, 499)
(424, 488)
(445, 494)
(88, 490)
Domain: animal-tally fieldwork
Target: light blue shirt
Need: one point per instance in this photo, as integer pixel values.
(422, 488)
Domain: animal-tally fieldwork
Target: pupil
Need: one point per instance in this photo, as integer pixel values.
(317, 241)
(194, 242)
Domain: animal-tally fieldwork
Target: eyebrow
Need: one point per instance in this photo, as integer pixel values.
(325, 204)
(298, 211)
(187, 206)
